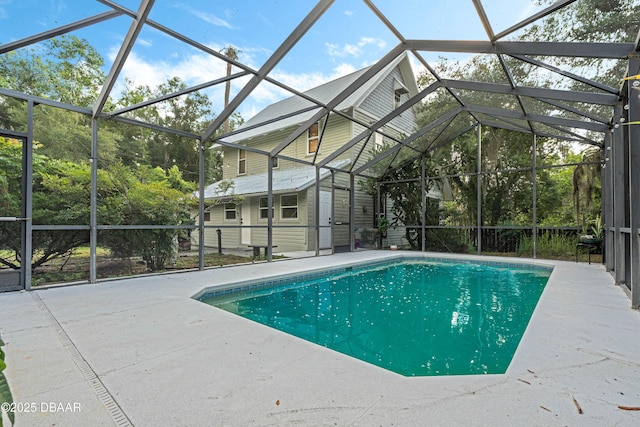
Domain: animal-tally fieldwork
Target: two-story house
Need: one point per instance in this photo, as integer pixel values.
(239, 205)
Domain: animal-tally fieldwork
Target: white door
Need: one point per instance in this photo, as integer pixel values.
(245, 220)
(325, 219)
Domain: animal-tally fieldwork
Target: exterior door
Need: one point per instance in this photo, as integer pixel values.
(245, 221)
(325, 220)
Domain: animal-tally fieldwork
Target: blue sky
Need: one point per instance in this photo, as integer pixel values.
(346, 38)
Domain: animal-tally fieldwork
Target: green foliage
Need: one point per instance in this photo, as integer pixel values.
(448, 240)
(189, 113)
(406, 198)
(61, 192)
(551, 245)
(5, 391)
(69, 70)
(145, 196)
(57, 199)
(586, 187)
(64, 68)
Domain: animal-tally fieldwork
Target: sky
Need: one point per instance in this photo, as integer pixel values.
(348, 37)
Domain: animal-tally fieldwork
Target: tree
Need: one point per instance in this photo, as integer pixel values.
(138, 196)
(403, 189)
(64, 68)
(506, 196)
(190, 113)
(143, 196)
(58, 188)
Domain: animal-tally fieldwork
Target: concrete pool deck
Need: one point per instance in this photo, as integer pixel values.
(141, 351)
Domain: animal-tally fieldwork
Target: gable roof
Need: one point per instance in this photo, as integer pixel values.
(288, 180)
(323, 93)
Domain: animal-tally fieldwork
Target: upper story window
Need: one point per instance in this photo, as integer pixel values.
(313, 138)
(378, 140)
(398, 90)
(275, 162)
(397, 99)
(242, 162)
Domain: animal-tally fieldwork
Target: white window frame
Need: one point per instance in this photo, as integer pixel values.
(283, 207)
(242, 162)
(227, 209)
(264, 209)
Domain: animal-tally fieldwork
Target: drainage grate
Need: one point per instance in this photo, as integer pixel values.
(101, 391)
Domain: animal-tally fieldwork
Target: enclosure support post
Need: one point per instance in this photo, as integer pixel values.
(27, 201)
(534, 195)
(317, 211)
(201, 183)
(352, 212)
(332, 221)
(378, 209)
(607, 201)
(93, 216)
(479, 190)
(619, 215)
(634, 179)
(423, 216)
(269, 207)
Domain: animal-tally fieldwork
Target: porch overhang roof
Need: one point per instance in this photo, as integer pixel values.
(284, 181)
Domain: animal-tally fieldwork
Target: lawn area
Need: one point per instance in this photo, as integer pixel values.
(75, 268)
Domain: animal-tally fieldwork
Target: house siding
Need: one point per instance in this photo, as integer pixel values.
(230, 236)
(381, 102)
(286, 239)
(338, 133)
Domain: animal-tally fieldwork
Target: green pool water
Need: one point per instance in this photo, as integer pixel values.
(413, 317)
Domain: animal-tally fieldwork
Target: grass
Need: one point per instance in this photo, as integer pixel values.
(76, 267)
(552, 245)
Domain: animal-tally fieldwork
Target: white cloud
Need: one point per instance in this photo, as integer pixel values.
(354, 50)
(207, 17)
(199, 68)
(144, 42)
(379, 43)
(348, 12)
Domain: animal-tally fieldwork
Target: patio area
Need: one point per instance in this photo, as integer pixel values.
(141, 351)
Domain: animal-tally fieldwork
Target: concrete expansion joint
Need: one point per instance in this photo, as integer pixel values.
(103, 394)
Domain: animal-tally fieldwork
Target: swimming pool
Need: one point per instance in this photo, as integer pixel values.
(415, 316)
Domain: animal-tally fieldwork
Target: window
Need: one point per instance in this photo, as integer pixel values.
(289, 206)
(230, 211)
(397, 99)
(274, 162)
(378, 140)
(398, 90)
(264, 208)
(312, 139)
(242, 162)
(207, 216)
